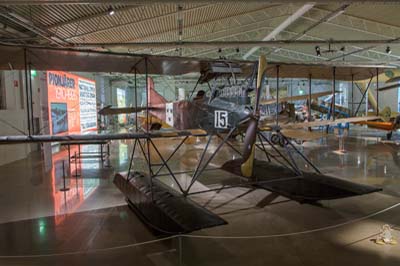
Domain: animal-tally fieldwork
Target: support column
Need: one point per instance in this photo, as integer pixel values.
(352, 95)
(309, 98)
(334, 94)
(31, 98)
(136, 113)
(147, 125)
(147, 95)
(377, 92)
(27, 94)
(277, 95)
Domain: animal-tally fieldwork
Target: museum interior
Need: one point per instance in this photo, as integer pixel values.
(166, 132)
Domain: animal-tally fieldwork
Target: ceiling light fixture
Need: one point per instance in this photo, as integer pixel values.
(111, 11)
(180, 22)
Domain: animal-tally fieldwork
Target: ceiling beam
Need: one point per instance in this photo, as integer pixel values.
(89, 17)
(331, 17)
(297, 55)
(286, 23)
(360, 25)
(356, 24)
(10, 30)
(29, 25)
(224, 25)
(146, 20)
(328, 17)
(245, 32)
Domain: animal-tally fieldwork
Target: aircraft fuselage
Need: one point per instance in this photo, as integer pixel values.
(216, 116)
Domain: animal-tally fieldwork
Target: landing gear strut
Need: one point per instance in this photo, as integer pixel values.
(278, 140)
(389, 135)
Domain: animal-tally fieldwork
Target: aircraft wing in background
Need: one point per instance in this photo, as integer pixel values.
(109, 110)
(298, 97)
(328, 122)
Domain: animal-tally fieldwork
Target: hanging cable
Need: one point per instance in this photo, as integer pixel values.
(180, 23)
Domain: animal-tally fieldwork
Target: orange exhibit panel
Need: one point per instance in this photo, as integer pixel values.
(72, 103)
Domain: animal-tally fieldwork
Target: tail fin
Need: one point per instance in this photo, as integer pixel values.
(157, 104)
(154, 98)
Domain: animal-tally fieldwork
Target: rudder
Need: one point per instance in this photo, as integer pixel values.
(154, 98)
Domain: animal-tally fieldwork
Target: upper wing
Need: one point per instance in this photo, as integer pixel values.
(298, 97)
(46, 58)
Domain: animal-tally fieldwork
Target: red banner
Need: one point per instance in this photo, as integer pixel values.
(64, 100)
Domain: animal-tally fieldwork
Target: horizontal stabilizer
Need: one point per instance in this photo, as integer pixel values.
(298, 97)
(109, 110)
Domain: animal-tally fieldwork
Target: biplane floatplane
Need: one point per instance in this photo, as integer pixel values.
(223, 112)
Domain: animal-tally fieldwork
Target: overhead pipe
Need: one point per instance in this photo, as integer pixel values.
(326, 18)
(234, 44)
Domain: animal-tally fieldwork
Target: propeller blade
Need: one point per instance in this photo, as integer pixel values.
(251, 132)
(262, 67)
(249, 148)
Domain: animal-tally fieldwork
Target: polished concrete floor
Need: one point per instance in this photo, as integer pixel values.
(90, 224)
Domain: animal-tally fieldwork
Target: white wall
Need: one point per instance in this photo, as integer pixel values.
(389, 98)
(14, 116)
(10, 153)
(13, 84)
(386, 98)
